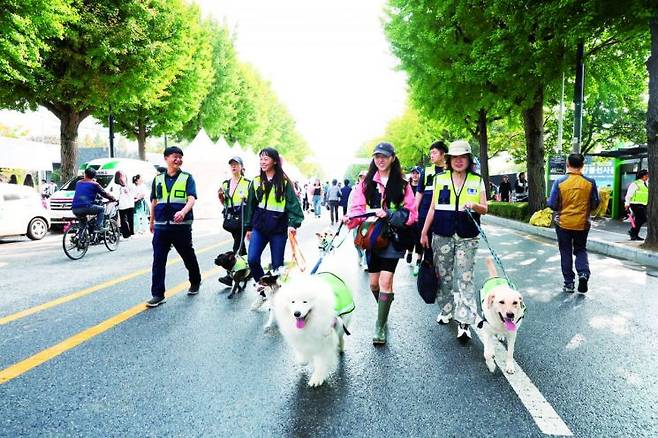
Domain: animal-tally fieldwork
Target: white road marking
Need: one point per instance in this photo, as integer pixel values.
(548, 421)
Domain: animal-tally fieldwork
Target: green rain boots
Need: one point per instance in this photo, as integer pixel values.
(383, 307)
(375, 293)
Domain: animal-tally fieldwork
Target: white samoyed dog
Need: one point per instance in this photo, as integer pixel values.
(312, 313)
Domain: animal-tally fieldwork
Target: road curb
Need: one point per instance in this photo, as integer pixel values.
(594, 244)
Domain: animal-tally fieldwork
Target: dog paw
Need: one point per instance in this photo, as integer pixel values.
(509, 368)
(316, 380)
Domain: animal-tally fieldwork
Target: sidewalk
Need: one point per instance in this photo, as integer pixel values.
(607, 237)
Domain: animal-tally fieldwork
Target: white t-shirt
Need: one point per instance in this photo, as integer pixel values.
(125, 196)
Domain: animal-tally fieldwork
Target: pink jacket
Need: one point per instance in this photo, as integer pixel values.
(359, 203)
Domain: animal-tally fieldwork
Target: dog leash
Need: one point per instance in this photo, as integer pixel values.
(297, 255)
(497, 260)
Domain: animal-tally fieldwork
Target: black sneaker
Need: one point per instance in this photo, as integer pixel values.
(582, 284)
(227, 280)
(568, 288)
(155, 301)
(194, 289)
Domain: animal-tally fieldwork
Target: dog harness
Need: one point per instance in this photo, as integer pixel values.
(240, 264)
(342, 294)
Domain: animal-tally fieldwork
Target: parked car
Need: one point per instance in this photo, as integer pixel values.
(60, 201)
(22, 212)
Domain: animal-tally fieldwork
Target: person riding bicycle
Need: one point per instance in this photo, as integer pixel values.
(86, 191)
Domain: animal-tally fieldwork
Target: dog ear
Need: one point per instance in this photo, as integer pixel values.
(490, 300)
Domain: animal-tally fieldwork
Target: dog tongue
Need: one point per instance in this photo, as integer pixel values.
(300, 323)
(510, 326)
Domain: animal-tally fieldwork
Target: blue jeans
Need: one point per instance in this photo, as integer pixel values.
(317, 207)
(257, 245)
(573, 242)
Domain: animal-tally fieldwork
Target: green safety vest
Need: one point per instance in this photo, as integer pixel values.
(239, 195)
(429, 173)
(171, 201)
(269, 202)
(641, 195)
(342, 294)
(449, 214)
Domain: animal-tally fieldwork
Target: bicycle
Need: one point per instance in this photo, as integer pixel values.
(82, 234)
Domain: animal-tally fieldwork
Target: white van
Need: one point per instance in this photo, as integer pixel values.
(106, 168)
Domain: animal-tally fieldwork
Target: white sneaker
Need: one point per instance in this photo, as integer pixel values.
(463, 331)
(443, 318)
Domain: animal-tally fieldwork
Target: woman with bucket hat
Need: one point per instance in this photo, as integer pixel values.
(233, 195)
(386, 193)
(455, 236)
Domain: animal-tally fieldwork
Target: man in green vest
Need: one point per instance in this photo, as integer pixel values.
(637, 199)
(173, 193)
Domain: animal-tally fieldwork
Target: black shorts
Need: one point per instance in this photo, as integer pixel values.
(378, 264)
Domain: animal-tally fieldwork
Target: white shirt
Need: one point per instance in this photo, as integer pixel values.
(125, 196)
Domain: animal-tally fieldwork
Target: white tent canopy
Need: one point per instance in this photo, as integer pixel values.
(17, 153)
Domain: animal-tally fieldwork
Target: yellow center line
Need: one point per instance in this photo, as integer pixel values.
(74, 296)
(43, 356)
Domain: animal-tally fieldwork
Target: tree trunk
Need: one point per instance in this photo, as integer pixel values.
(483, 139)
(652, 141)
(68, 129)
(141, 138)
(533, 119)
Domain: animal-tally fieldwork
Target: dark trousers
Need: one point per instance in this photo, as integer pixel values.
(238, 239)
(333, 207)
(257, 245)
(345, 210)
(181, 239)
(573, 243)
(127, 217)
(640, 216)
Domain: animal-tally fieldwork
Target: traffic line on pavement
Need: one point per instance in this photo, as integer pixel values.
(548, 421)
(43, 356)
(81, 293)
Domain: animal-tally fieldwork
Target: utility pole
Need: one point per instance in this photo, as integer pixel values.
(111, 123)
(578, 98)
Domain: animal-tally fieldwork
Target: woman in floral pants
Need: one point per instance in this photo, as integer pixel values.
(455, 237)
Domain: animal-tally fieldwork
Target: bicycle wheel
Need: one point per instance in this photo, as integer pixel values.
(112, 236)
(75, 242)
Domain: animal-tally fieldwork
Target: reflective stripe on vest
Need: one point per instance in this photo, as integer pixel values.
(270, 203)
(176, 197)
(470, 192)
(641, 194)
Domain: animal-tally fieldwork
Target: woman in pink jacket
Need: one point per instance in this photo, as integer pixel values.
(386, 193)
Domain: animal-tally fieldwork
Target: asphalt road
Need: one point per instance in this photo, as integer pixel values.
(97, 364)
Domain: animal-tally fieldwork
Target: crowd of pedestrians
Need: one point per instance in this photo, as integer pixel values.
(435, 210)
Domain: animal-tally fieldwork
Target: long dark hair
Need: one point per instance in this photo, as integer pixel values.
(280, 178)
(394, 192)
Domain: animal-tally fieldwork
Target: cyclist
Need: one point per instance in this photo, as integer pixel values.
(86, 191)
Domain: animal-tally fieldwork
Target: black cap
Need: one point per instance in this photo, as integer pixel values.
(384, 149)
(237, 160)
(172, 150)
